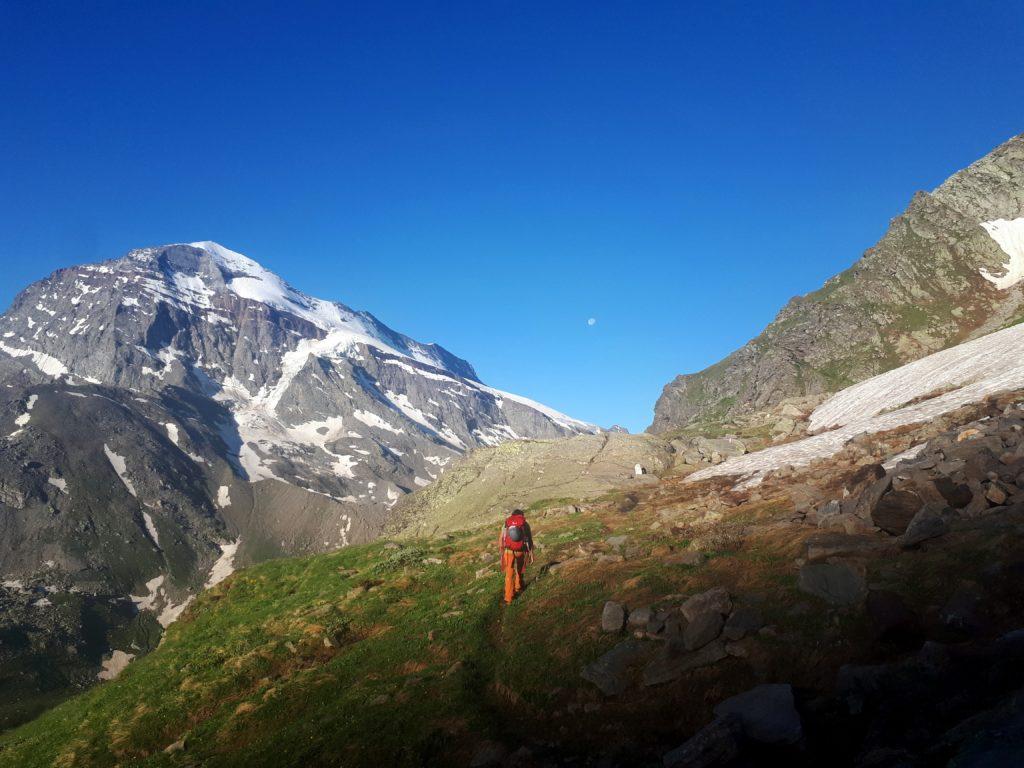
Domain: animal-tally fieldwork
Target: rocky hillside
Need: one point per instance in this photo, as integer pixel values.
(489, 482)
(860, 610)
(947, 270)
(177, 412)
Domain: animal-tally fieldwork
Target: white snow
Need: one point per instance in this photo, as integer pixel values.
(118, 463)
(172, 432)
(24, 418)
(114, 665)
(942, 382)
(223, 496)
(225, 564)
(371, 419)
(150, 527)
(154, 589)
(51, 366)
(1009, 235)
(557, 417)
(171, 612)
(252, 281)
(58, 482)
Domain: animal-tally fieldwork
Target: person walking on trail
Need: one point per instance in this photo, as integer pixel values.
(516, 545)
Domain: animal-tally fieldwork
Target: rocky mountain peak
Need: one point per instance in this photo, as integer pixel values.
(948, 270)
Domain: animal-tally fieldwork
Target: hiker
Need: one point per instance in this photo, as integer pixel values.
(516, 544)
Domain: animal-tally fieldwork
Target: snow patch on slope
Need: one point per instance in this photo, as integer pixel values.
(51, 366)
(1009, 235)
(114, 665)
(24, 419)
(938, 384)
(118, 463)
(150, 527)
(225, 564)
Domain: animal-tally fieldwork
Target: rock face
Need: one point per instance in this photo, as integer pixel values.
(169, 414)
(946, 271)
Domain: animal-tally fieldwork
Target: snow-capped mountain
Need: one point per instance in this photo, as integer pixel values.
(168, 413)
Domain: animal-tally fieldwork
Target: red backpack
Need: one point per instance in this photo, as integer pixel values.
(515, 532)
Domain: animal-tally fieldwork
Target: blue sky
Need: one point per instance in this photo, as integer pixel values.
(490, 175)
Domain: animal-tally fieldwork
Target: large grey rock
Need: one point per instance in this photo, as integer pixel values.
(613, 617)
(742, 622)
(767, 713)
(641, 617)
(612, 672)
(931, 522)
(895, 510)
(704, 628)
(670, 663)
(716, 744)
(715, 600)
(837, 583)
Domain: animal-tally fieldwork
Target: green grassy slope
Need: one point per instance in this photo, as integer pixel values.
(370, 656)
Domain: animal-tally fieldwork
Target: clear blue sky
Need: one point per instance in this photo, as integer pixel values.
(489, 175)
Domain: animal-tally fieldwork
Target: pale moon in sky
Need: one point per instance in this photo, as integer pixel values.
(592, 321)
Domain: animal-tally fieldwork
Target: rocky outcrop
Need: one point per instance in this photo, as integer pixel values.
(932, 281)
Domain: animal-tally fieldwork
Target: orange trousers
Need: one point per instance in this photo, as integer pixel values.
(512, 564)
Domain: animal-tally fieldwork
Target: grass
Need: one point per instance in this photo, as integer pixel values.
(376, 655)
(367, 656)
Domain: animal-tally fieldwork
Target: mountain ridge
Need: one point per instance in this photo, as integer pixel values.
(939, 276)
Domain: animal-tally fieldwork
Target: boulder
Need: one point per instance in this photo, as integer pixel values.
(957, 495)
(641, 617)
(844, 522)
(742, 622)
(767, 713)
(929, 523)
(715, 599)
(616, 542)
(613, 617)
(995, 494)
(669, 664)
(837, 583)
(718, 743)
(822, 546)
(612, 672)
(895, 510)
(704, 628)
(725, 447)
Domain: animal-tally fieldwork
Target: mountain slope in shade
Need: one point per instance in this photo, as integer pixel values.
(173, 413)
(948, 269)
